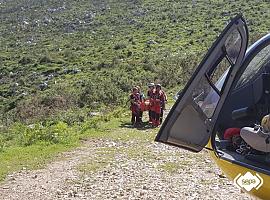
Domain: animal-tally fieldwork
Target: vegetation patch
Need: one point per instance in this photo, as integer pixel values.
(137, 151)
(102, 158)
(170, 167)
(30, 157)
(30, 146)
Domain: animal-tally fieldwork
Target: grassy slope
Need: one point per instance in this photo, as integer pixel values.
(120, 42)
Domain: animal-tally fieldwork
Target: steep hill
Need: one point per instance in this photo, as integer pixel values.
(58, 55)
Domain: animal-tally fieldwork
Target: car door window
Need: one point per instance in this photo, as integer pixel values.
(233, 45)
(223, 66)
(205, 97)
(207, 94)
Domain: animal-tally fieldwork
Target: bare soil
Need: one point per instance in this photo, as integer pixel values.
(105, 169)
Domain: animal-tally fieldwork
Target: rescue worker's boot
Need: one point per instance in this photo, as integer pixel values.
(156, 123)
(161, 116)
(132, 119)
(140, 117)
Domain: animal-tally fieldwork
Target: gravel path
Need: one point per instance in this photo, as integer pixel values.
(104, 169)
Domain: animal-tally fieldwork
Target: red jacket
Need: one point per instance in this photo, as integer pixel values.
(158, 101)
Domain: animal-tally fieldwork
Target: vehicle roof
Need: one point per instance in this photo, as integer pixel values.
(256, 44)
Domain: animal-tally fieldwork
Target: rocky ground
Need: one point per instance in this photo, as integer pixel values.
(132, 169)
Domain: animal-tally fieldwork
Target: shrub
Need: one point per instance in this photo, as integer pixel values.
(100, 90)
(72, 116)
(2, 143)
(25, 60)
(36, 133)
(46, 104)
(45, 60)
(119, 45)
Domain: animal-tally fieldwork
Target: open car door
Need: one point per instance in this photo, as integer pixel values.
(191, 120)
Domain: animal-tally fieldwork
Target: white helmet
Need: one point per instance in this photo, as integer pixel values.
(151, 85)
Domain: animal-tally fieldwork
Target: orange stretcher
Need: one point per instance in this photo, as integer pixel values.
(145, 105)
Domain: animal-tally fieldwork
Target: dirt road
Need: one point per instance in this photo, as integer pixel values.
(131, 169)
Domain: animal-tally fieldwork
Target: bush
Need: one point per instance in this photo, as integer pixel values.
(175, 71)
(47, 104)
(101, 90)
(119, 45)
(25, 60)
(45, 60)
(72, 116)
(36, 133)
(2, 143)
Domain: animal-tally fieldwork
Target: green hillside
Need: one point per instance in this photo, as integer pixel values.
(75, 57)
(67, 66)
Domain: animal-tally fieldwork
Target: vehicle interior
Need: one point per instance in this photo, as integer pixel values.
(245, 106)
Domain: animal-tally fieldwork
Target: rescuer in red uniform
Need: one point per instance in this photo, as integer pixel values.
(150, 93)
(135, 106)
(158, 102)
